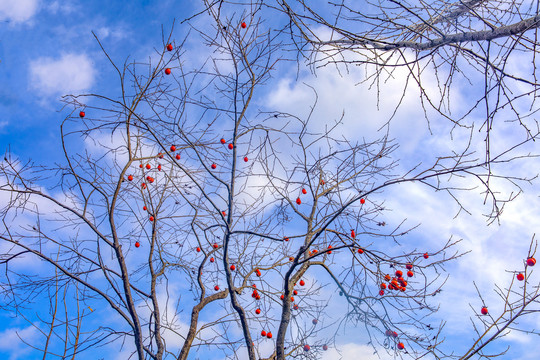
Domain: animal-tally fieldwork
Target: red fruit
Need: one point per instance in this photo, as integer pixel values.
(212, 259)
(298, 201)
(215, 246)
(246, 159)
(137, 244)
(144, 208)
(531, 261)
(160, 155)
(484, 310)
(399, 273)
(325, 347)
(148, 166)
(130, 177)
(400, 346)
(353, 235)
(295, 307)
(292, 299)
(394, 334)
(141, 166)
(159, 167)
(224, 213)
(383, 286)
(291, 258)
(304, 191)
(295, 292)
(360, 251)
(302, 283)
(426, 255)
(233, 267)
(143, 185)
(243, 25)
(330, 246)
(168, 71)
(231, 146)
(520, 277)
(151, 218)
(258, 311)
(177, 156)
(214, 166)
(410, 273)
(322, 182)
(263, 333)
(387, 277)
(282, 297)
(150, 179)
(216, 288)
(269, 335)
(315, 251)
(173, 148)
(403, 288)
(258, 272)
(306, 348)
(222, 141)
(258, 297)
(286, 238)
(198, 249)
(82, 114)
(169, 47)
(409, 266)
(362, 201)
(314, 321)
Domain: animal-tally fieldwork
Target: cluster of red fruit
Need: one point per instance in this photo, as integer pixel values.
(397, 282)
(394, 334)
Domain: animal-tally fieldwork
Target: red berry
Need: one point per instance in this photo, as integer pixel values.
(130, 177)
(141, 166)
(169, 47)
(314, 321)
(137, 244)
(233, 267)
(151, 218)
(531, 261)
(214, 166)
(216, 288)
(231, 146)
(400, 346)
(269, 335)
(173, 148)
(160, 155)
(82, 114)
(409, 266)
(353, 235)
(426, 255)
(383, 286)
(362, 201)
(148, 166)
(143, 185)
(198, 249)
(298, 201)
(330, 246)
(387, 277)
(243, 25)
(263, 333)
(410, 273)
(484, 310)
(212, 259)
(159, 167)
(360, 251)
(286, 238)
(168, 71)
(325, 347)
(144, 208)
(150, 179)
(306, 347)
(304, 191)
(258, 311)
(381, 292)
(177, 156)
(295, 292)
(394, 334)
(295, 306)
(520, 277)
(291, 258)
(215, 245)
(399, 273)
(224, 213)
(302, 283)
(282, 297)
(222, 141)
(246, 159)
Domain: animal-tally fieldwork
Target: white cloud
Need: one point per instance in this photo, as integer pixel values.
(10, 340)
(71, 73)
(18, 11)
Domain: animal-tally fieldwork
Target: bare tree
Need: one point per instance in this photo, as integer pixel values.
(195, 206)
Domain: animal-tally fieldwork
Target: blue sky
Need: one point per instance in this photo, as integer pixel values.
(47, 50)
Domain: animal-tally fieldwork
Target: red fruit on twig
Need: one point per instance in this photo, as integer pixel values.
(520, 277)
(325, 347)
(151, 218)
(263, 333)
(258, 311)
(198, 249)
(215, 245)
(302, 283)
(233, 267)
(531, 261)
(269, 335)
(148, 166)
(362, 201)
(381, 292)
(216, 288)
(231, 146)
(246, 159)
(141, 166)
(399, 273)
(214, 166)
(409, 266)
(426, 255)
(304, 191)
(82, 114)
(137, 244)
(159, 167)
(353, 234)
(212, 259)
(314, 321)
(173, 148)
(298, 201)
(169, 47)
(484, 310)
(130, 177)
(410, 273)
(168, 71)
(243, 25)
(222, 141)
(144, 208)
(400, 346)
(306, 347)
(360, 251)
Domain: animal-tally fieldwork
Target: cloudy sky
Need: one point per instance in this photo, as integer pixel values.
(47, 50)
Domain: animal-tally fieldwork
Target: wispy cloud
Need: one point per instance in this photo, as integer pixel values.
(70, 73)
(18, 11)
